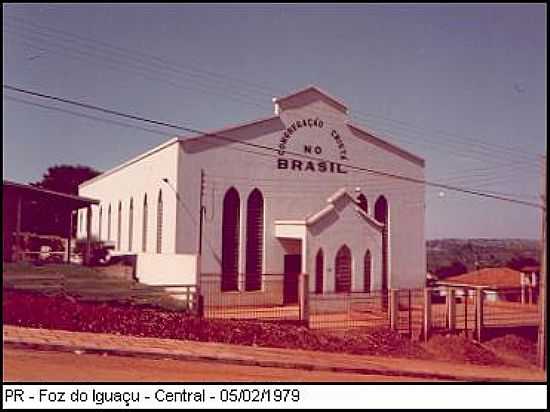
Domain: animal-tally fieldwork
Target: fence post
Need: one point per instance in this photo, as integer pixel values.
(200, 304)
(479, 313)
(466, 297)
(303, 288)
(451, 309)
(427, 313)
(394, 309)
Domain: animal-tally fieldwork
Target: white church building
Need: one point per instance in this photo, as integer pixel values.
(296, 192)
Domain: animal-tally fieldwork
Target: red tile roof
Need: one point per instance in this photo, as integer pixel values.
(529, 269)
(489, 277)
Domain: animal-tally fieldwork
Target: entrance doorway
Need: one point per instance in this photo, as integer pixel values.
(292, 269)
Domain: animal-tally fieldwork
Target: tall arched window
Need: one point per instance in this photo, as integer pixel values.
(230, 239)
(254, 240)
(381, 214)
(367, 270)
(319, 271)
(109, 223)
(363, 203)
(119, 226)
(159, 223)
(100, 222)
(130, 224)
(144, 226)
(342, 269)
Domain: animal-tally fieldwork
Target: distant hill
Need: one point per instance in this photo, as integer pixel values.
(487, 252)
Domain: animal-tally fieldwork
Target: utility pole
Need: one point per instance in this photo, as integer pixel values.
(542, 343)
(201, 211)
(200, 308)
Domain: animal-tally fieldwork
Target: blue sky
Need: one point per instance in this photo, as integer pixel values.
(463, 86)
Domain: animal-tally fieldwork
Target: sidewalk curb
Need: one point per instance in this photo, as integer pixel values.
(235, 360)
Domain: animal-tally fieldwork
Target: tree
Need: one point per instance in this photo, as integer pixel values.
(454, 269)
(519, 262)
(65, 178)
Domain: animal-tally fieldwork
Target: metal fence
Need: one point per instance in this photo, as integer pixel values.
(509, 308)
(348, 310)
(413, 312)
(474, 311)
(266, 297)
(410, 312)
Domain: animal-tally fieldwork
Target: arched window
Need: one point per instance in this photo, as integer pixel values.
(319, 271)
(367, 262)
(130, 224)
(159, 223)
(100, 222)
(381, 210)
(144, 226)
(109, 223)
(230, 240)
(342, 269)
(363, 203)
(119, 226)
(254, 240)
(381, 213)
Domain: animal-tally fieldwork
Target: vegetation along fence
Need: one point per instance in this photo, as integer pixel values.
(417, 313)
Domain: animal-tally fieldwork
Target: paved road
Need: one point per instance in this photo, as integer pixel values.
(49, 366)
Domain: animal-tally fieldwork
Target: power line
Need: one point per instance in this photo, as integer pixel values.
(258, 146)
(86, 116)
(163, 64)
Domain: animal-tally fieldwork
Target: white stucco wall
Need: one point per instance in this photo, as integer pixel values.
(166, 269)
(294, 195)
(133, 180)
(345, 226)
(288, 194)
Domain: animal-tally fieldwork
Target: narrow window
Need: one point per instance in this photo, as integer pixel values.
(363, 203)
(100, 222)
(119, 226)
(109, 223)
(342, 270)
(159, 223)
(381, 214)
(130, 224)
(319, 271)
(254, 240)
(367, 271)
(144, 228)
(230, 240)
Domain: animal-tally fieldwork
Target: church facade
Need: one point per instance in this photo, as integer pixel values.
(303, 191)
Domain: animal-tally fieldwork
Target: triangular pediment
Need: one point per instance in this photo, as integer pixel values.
(305, 97)
(336, 203)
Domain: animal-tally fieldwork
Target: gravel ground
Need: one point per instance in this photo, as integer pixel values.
(517, 346)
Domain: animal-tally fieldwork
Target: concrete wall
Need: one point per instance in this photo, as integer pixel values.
(288, 194)
(166, 269)
(295, 195)
(140, 176)
(344, 226)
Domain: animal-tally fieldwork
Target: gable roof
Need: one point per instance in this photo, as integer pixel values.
(232, 128)
(370, 137)
(316, 90)
(494, 278)
(331, 200)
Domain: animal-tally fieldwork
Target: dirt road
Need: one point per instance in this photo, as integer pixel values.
(23, 365)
